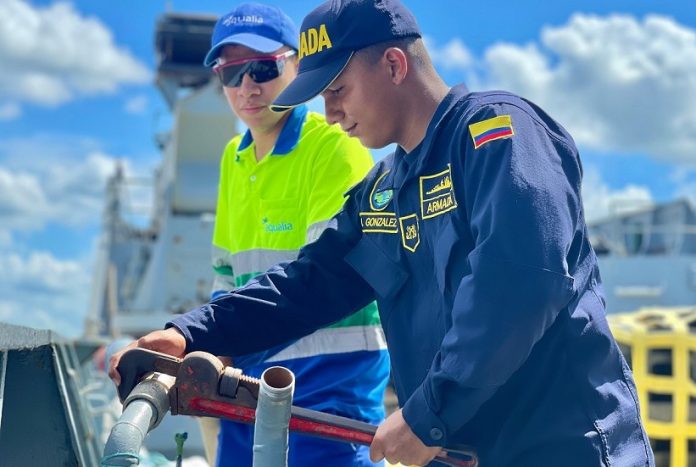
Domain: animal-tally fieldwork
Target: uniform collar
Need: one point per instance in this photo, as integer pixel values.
(406, 164)
(289, 135)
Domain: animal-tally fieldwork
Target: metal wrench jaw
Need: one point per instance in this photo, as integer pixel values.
(202, 376)
(198, 375)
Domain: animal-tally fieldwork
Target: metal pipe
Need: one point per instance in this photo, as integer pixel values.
(143, 410)
(273, 417)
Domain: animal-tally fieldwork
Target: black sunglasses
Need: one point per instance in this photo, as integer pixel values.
(260, 69)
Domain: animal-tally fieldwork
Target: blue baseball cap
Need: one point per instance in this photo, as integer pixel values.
(332, 32)
(260, 27)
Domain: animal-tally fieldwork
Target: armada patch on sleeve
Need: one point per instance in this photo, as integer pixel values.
(490, 130)
(437, 193)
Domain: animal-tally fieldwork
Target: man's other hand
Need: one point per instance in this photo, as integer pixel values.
(169, 341)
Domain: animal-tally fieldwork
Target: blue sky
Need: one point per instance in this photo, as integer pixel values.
(76, 95)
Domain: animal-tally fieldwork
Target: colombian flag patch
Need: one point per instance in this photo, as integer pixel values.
(489, 130)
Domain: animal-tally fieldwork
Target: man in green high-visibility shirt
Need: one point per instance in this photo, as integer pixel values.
(280, 183)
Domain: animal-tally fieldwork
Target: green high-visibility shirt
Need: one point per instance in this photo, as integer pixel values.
(267, 210)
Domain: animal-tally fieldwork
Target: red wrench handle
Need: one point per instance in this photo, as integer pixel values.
(323, 425)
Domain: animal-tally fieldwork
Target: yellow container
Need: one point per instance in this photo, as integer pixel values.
(660, 346)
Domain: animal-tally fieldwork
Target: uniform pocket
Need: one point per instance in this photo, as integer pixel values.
(384, 275)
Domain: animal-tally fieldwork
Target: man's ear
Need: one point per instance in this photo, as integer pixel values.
(397, 64)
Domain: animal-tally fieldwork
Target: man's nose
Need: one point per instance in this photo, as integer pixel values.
(333, 111)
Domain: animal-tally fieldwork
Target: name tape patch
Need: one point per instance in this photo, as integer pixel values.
(379, 222)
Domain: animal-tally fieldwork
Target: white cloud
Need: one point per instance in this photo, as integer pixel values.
(37, 288)
(453, 55)
(79, 187)
(23, 202)
(136, 105)
(42, 291)
(28, 151)
(601, 201)
(52, 54)
(618, 83)
(66, 189)
(10, 111)
(40, 271)
(68, 193)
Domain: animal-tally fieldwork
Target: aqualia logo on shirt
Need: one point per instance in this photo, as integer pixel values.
(277, 227)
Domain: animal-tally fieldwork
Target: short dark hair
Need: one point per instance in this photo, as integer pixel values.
(412, 46)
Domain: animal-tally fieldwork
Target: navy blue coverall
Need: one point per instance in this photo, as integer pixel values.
(475, 246)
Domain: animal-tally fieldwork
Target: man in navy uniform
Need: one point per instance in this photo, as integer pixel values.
(471, 237)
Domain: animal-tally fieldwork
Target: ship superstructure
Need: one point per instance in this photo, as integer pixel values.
(150, 270)
(146, 273)
(647, 257)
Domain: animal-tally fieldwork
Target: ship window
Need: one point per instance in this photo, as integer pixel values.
(692, 365)
(692, 409)
(660, 362)
(691, 462)
(660, 407)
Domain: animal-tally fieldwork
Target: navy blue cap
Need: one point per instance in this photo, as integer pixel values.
(330, 35)
(260, 27)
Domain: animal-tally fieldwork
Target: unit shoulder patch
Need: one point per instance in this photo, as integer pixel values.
(490, 130)
(380, 196)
